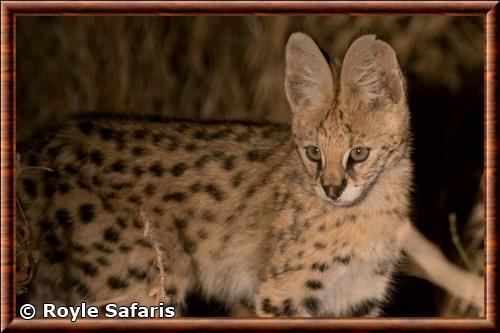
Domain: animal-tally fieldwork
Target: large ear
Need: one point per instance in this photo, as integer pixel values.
(308, 77)
(370, 77)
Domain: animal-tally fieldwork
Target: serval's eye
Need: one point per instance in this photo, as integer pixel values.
(313, 153)
(359, 154)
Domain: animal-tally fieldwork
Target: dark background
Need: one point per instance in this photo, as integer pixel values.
(232, 68)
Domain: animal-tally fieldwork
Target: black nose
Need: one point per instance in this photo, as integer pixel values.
(333, 191)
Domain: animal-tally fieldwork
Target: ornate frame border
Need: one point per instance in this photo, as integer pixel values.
(11, 9)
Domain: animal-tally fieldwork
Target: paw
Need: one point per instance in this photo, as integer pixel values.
(287, 307)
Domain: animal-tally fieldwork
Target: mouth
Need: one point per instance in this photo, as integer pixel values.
(342, 203)
(339, 201)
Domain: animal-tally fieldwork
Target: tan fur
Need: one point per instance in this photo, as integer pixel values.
(240, 210)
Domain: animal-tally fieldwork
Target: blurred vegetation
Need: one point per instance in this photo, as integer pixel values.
(232, 68)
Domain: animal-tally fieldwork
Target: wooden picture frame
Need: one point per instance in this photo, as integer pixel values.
(12, 9)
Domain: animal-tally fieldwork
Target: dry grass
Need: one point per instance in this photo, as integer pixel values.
(208, 67)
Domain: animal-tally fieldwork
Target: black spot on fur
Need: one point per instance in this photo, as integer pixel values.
(86, 127)
(157, 137)
(314, 284)
(181, 128)
(237, 179)
(158, 211)
(52, 240)
(82, 183)
(139, 151)
(140, 134)
(288, 308)
(190, 147)
(189, 246)
(64, 188)
(138, 171)
(79, 248)
(111, 235)
(251, 190)
(319, 266)
(363, 308)
(311, 304)
(118, 166)
(137, 224)
(80, 153)
(107, 206)
(257, 156)
(215, 192)
(157, 169)
(319, 245)
(220, 134)
(228, 162)
(88, 268)
(150, 189)
(82, 289)
(201, 161)
(29, 187)
(125, 248)
(45, 224)
(71, 169)
(135, 199)
(86, 212)
(243, 137)
(230, 219)
(200, 134)
(174, 196)
(137, 273)
(102, 248)
(350, 218)
(114, 282)
(203, 234)
(49, 188)
(63, 218)
(195, 188)
(120, 140)
(69, 282)
(55, 256)
(96, 157)
(121, 186)
(267, 132)
(208, 216)
(121, 222)
(53, 152)
(298, 207)
(179, 169)
(105, 133)
(144, 243)
(268, 307)
(103, 261)
(180, 223)
(172, 146)
(96, 180)
(171, 291)
(342, 259)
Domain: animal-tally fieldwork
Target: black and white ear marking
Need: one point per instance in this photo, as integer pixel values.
(308, 77)
(371, 77)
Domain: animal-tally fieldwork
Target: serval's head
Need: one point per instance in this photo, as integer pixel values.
(351, 128)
